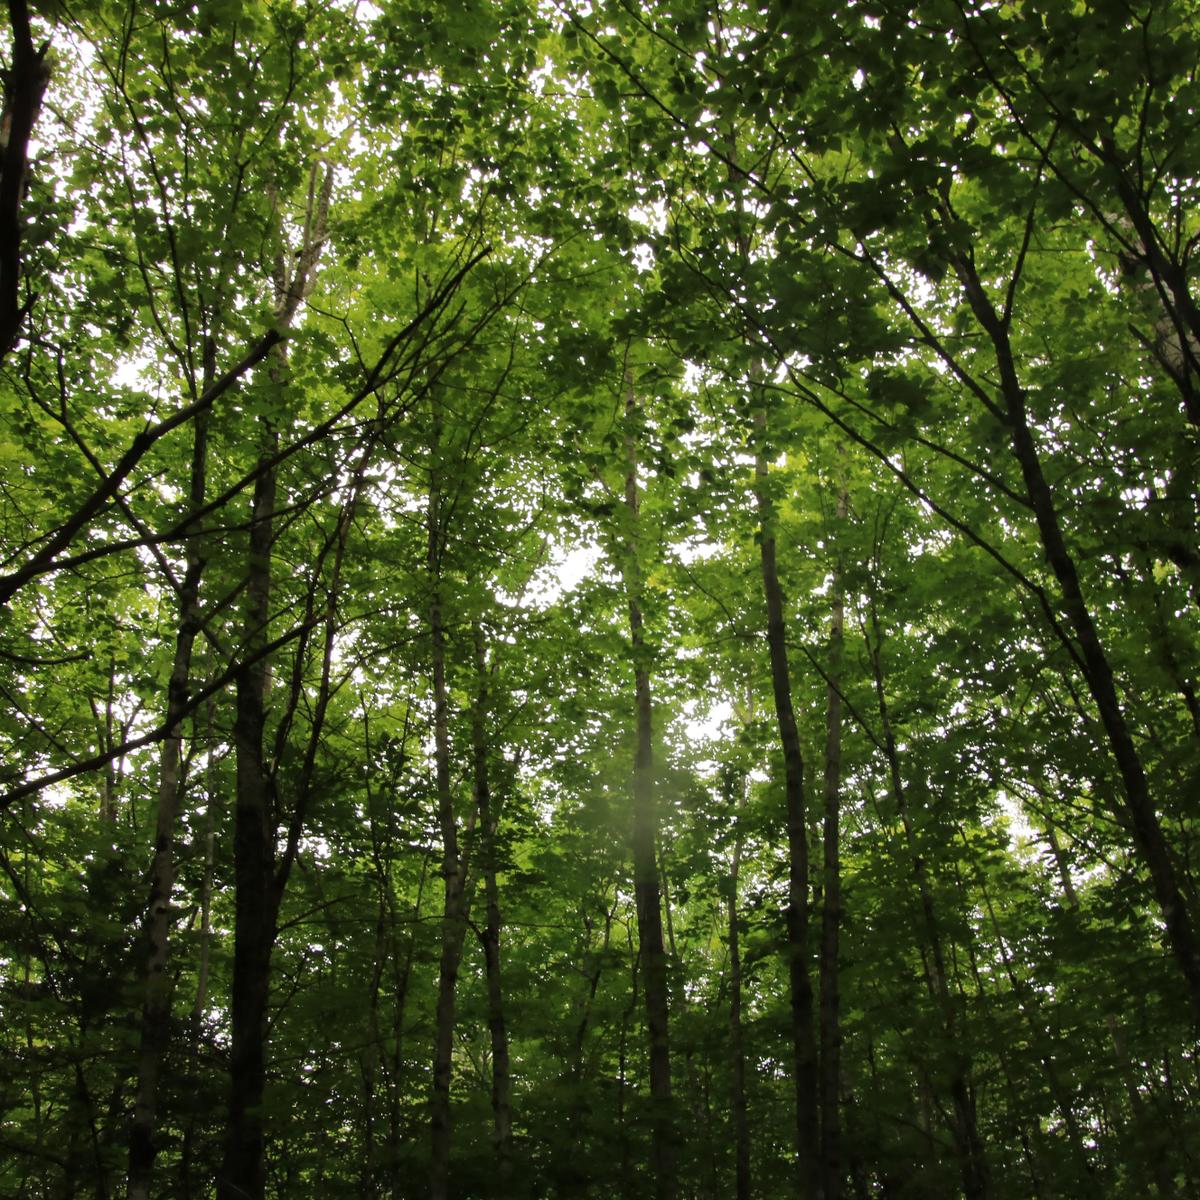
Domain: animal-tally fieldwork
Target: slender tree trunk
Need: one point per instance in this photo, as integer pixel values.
(489, 821)
(1139, 810)
(454, 863)
(831, 909)
(498, 1028)
(625, 1175)
(1143, 1122)
(1064, 871)
(1028, 1133)
(1179, 331)
(804, 1051)
(402, 974)
(243, 1171)
(693, 1082)
(196, 1017)
(368, 1185)
(737, 1050)
(105, 742)
(156, 1004)
(258, 889)
(645, 859)
(452, 933)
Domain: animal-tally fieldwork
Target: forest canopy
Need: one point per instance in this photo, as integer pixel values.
(600, 598)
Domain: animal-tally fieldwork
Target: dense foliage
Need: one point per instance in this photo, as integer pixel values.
(600, 599)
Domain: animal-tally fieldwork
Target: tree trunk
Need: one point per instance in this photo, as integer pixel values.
(1029, 1134)
(156, 1005)
(1040, 1041)
(196, 1017)
(368, 1179)
(804, 1051)
(646, 889)
(402, 974)
(243, 1172)
(454, 864)
(1143, 1122)
(737, 1051)
(625, 1170)
(25, 82)
(574, 1172)
(258, 889)
(831, 910)
(1139, 811)
(489, 820)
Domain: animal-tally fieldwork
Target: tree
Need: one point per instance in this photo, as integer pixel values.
(462, 465)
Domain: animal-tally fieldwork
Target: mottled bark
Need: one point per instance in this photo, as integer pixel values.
(203, 964)
(452, 879)
(402, 974)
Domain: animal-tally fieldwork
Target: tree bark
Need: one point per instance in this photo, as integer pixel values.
(646, 888)
(1139, 811)
(737, 1050)
(830, 1036)
(25, 84)
(156, 1005)
(258, 885)
(1040, 1039)
(454, 864)
(196, 1017)
(498, 1029)
(243, 1171)
(804, 1051)
(402, 974)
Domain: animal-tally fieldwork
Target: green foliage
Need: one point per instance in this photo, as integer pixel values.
(565, 246)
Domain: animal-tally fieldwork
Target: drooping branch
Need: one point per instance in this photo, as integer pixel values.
(44, 558)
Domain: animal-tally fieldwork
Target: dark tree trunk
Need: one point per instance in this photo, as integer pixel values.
(573, 1171)
(243, 1172)
(646, 888)
(1139, 812)
(402, 974)
(804, 1051)
(25, 84)
(625, 1169)
(196, 1016)
(258, 885)
(1040, 1041)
